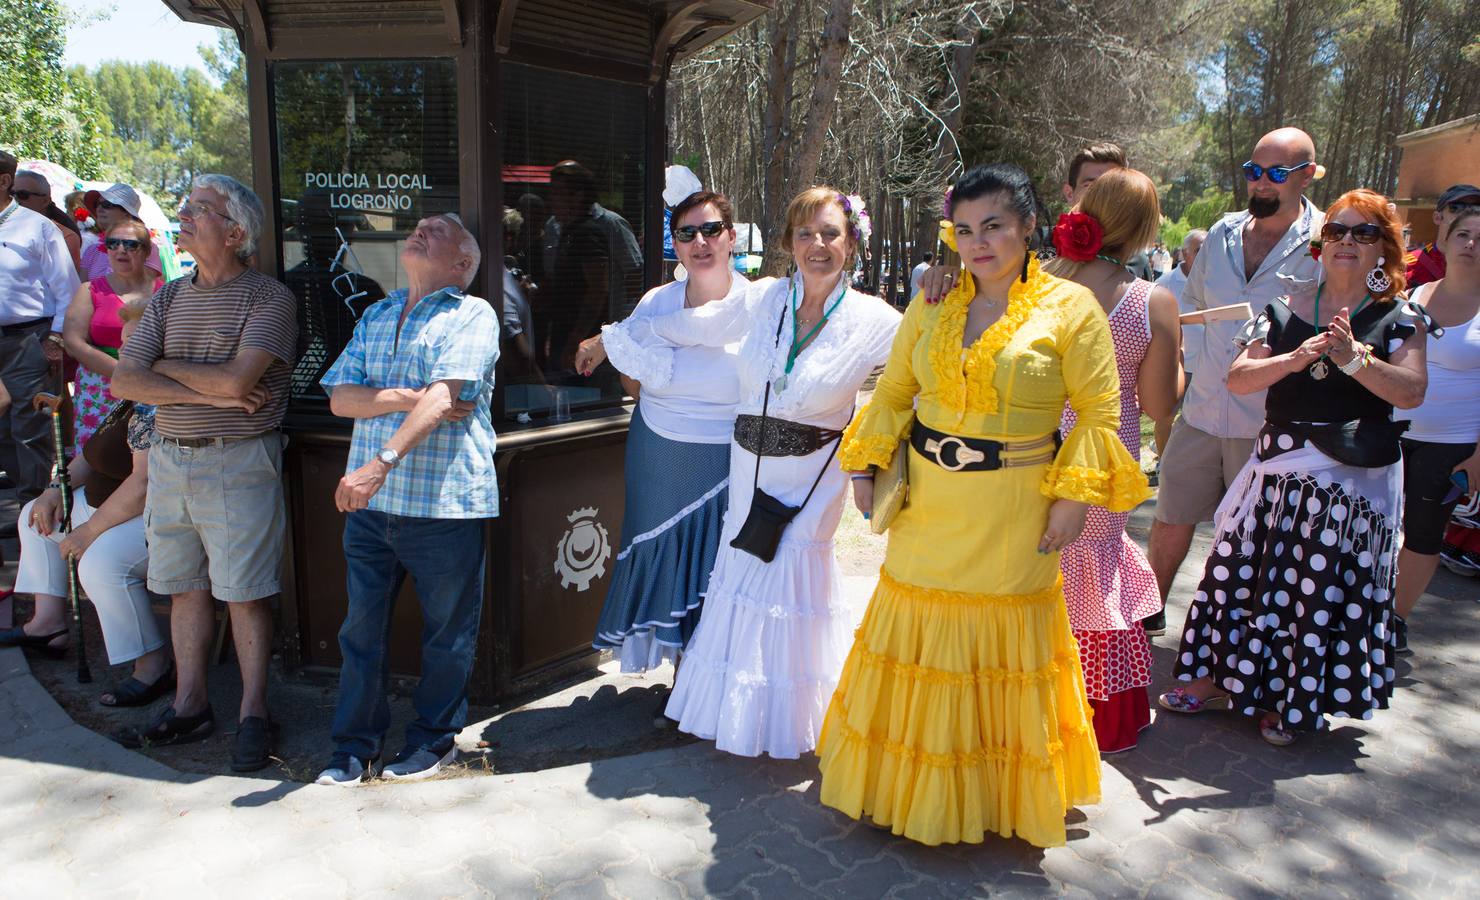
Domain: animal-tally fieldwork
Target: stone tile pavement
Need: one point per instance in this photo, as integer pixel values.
(1202, 808)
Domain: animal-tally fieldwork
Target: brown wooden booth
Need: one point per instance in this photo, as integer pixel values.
(541, 123)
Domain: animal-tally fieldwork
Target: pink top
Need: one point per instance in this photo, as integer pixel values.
(95, 262)
(105, 330)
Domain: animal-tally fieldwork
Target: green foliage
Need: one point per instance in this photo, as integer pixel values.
(49, 113)
(1207, 209)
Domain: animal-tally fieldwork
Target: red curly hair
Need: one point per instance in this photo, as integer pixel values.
(1377, 209)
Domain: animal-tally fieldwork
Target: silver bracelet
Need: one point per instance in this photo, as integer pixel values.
(1358, 360)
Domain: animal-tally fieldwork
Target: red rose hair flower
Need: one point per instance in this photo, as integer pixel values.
(1078, 236)
(81, 214)
(1315, 250)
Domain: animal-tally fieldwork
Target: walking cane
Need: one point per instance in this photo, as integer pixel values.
(53, 402)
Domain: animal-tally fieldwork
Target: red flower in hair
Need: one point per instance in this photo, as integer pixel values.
(1078, 236)
(1315, 250)
(81, 214)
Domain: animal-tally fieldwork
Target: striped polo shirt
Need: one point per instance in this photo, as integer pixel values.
(212, 325)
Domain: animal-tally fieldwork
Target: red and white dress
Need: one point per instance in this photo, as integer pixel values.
(1108, 584)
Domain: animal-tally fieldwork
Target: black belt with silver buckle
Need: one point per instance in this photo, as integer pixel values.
(964, 454)
(23, 327)
(196, 443)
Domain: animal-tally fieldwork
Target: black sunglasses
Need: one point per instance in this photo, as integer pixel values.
(1277, 174)
(125, 243)
(1365, 233)
(25, 196)
(686, 233)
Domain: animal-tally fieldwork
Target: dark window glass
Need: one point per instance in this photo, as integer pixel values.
(365, 149)
(573, 230)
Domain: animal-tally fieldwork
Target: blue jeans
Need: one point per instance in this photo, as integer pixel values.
(445, 559)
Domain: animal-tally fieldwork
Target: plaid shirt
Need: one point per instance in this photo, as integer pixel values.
(449, 335)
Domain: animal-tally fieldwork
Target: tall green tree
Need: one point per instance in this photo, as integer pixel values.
(48, 112)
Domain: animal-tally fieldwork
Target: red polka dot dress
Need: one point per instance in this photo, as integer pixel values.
(1108, 584)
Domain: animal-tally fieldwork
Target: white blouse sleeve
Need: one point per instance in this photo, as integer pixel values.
(642, 347)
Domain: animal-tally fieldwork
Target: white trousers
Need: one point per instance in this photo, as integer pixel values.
(113, 574)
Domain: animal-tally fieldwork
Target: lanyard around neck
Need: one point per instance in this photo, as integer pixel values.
(797, 345)
(1317, 316)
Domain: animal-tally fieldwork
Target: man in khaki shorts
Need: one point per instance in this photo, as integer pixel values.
(1248, 257)
(214, 352)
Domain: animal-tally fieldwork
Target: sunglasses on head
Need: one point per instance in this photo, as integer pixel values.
(1365, 233)
(123, 243)
(1277, 174)
(25, 196)
(686, 233)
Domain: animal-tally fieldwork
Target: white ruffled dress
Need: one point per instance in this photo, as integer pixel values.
(761, 667)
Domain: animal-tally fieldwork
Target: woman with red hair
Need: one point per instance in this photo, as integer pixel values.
(1293, 619)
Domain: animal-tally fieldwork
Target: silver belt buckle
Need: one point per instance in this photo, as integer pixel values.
(964, 454)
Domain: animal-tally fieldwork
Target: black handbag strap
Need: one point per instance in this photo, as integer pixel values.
(765, 406)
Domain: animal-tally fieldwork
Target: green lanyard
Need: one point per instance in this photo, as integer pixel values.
(1317, 323)
(797, 345)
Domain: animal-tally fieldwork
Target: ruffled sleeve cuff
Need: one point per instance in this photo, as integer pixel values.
(869, 441)
(1094, 467)
(652, 365)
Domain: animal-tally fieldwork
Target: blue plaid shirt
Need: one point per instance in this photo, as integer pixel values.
(448, 336)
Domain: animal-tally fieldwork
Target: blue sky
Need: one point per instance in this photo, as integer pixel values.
(136, 31)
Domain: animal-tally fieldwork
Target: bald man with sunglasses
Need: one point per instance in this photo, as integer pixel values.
(1249, 257)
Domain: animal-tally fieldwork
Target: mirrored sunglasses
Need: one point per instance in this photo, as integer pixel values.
(1277, 174)
(687, 233)
(1365, 233)
(123, 243)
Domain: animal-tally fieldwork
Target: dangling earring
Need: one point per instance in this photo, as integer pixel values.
(1378, 281)
(1027, 255)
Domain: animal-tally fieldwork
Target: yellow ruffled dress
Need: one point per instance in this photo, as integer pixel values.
(961, 709)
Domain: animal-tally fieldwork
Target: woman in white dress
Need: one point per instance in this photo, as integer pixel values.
(764, 660)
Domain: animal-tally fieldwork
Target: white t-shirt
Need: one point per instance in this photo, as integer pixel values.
(1450, 413)
(1192, 335)
(698, 405)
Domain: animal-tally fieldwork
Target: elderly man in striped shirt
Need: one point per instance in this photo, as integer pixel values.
(417, 378)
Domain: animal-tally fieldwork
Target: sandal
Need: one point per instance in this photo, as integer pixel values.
(17, 637)
(1274, 733)
(134, 692)
(1178, 700)
(170, 728)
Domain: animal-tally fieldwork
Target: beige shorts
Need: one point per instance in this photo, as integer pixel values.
(1195, 471)
(215, 518)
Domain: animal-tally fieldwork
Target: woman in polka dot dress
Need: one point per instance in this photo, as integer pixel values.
(1293, 618)
(1108, 584)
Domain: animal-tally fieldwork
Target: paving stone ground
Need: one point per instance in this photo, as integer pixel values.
(1202, 808)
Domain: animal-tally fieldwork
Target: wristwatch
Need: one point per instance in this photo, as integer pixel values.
(388, 456)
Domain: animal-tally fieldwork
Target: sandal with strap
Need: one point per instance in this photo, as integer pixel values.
(170, 728)
(1274, 732)
(1178, 700)
(134, 692)
(17, 637)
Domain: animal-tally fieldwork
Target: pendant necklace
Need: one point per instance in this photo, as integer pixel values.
(1319, 369)
(796, 344)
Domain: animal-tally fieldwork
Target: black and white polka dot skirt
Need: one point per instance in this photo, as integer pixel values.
(1294, 611)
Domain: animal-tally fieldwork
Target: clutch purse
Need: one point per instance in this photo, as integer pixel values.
(891, 489)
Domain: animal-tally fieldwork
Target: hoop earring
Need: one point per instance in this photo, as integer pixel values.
(1378, 281)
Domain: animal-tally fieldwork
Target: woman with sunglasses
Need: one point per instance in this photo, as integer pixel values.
(763, 661)
(1293, 618)
(114, 205)
(93, 331)
(1440, 462)
(678, 457)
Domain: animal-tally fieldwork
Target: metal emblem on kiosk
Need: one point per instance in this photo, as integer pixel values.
(583, 551)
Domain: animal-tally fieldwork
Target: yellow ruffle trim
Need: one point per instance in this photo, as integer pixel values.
(972, 389)
(926, 675)
(977, 757)
(1120, 489)
(858, 453)
(914, 592)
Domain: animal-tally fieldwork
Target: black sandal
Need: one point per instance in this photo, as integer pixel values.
(134, 692)
(170, 728)
(17, 637)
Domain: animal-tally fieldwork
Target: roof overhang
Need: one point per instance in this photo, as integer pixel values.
(1471, 123)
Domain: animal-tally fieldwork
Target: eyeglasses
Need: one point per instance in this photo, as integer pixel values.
(191, 210)
(1365, 233)
(1277, 174)
(686, 233)
(25, 196)
(129, 244)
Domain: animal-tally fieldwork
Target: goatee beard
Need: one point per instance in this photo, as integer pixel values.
(1263, 207)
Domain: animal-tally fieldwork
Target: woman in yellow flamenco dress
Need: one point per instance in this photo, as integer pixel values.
(961, 709)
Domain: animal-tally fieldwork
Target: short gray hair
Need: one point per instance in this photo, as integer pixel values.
(468, 245)
(242, 207)
(31, 173)
(1195, 236)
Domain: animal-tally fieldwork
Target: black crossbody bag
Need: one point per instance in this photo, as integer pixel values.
(761, 532)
